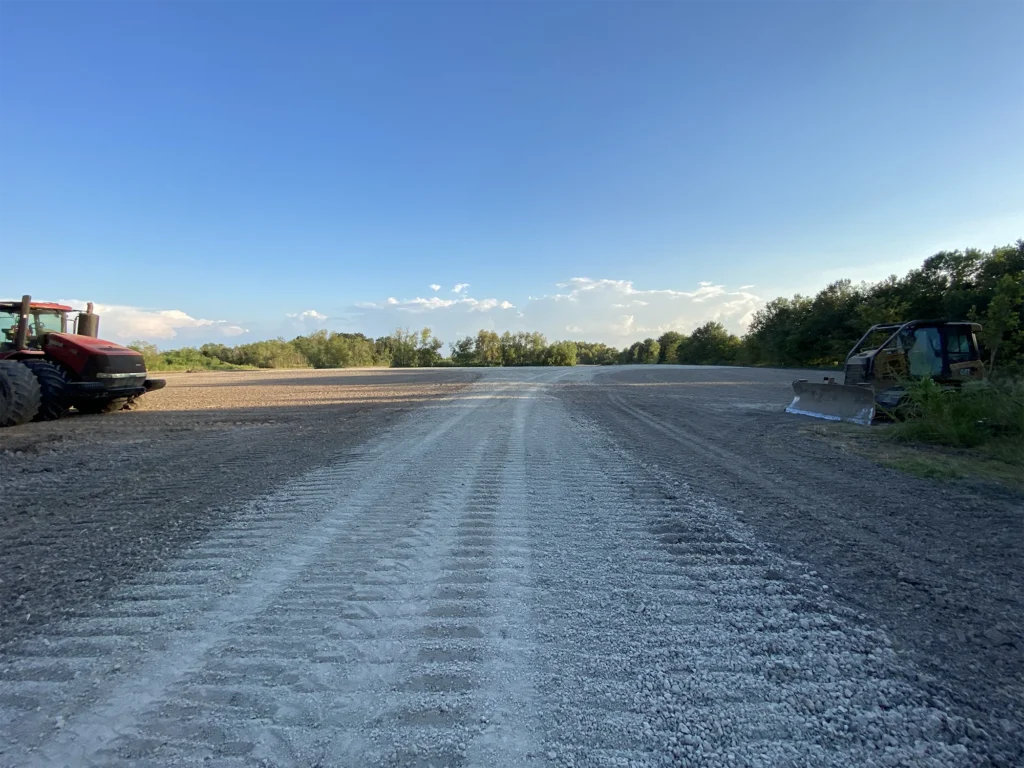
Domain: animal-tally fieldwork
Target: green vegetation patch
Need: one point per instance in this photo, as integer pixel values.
(988, 416)
(999, 460)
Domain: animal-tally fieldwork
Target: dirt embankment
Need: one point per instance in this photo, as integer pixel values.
(88, 501)
(940, 565)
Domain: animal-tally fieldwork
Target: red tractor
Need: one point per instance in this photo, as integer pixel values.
(51, 363)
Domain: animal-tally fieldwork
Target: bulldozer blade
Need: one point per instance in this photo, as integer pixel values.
(835, 402)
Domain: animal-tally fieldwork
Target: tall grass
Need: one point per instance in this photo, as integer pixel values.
(989, 416)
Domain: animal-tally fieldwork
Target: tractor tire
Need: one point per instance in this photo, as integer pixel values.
(21, 394)
(53, 385)
(103, 406)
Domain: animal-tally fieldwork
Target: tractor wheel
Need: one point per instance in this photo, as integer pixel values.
(53, 384)
(21, 392)
(103, 406)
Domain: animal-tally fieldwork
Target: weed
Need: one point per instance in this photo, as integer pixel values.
(989, 415)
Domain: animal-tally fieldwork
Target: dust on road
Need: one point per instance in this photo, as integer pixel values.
(562, 567)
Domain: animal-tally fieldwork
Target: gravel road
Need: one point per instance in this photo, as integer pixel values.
(578, 567)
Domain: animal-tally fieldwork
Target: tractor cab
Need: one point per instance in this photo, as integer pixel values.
(42, 319)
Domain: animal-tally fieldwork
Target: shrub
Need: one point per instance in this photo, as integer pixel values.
(967, 417)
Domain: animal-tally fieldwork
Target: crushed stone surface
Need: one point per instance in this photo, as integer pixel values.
(536, 567)
(88, 501)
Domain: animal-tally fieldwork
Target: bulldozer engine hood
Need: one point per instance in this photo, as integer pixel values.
(90, 358)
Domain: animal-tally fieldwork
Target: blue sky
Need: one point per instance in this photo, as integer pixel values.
(242, 162)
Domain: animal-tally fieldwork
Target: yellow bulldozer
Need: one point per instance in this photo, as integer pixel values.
(883, 361)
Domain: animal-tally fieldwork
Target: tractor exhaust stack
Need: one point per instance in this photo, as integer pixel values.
(88, 323)
(21, 339)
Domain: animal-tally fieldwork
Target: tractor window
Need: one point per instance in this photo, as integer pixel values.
(958, 346)
(39, 323)
(925, 352)
(45, 322)
(8, 327)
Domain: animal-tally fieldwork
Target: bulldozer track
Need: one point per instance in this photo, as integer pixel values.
(493, 583)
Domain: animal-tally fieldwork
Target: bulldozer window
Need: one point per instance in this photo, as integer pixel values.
(925, 353)
(958, 347)
(877, 339)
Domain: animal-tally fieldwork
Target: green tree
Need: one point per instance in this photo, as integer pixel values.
(589, 353)
(668, 344)
(632, 354)
(145, 348)
(1003, 316)
(488, 348)
(711, 344)
(428, 353)
(402, 348)
(775, 335)
(462, 351)
(561, 353)
(649, 350)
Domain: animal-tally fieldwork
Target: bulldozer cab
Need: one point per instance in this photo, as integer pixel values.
(920, 349)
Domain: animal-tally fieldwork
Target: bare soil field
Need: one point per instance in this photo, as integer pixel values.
(88, 501)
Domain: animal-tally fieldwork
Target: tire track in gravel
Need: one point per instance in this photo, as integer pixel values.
(145, 658)
(887, 560)
(494, 584)
(673, 637)
(378, 633)
(92, 502)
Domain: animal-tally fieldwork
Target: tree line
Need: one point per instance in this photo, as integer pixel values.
(983, 286)
(401, 349)
(986, 287)
(802, 331)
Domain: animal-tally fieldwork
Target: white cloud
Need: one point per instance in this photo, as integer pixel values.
(616, 312)
(448, 318)
(435, 287)
(420, 304)
(309, 314)
(612, 311)
(460, 287)
(125, 323)
(434, 302)
(307, 321)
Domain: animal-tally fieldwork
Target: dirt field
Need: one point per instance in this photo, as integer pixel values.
(635, 566)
